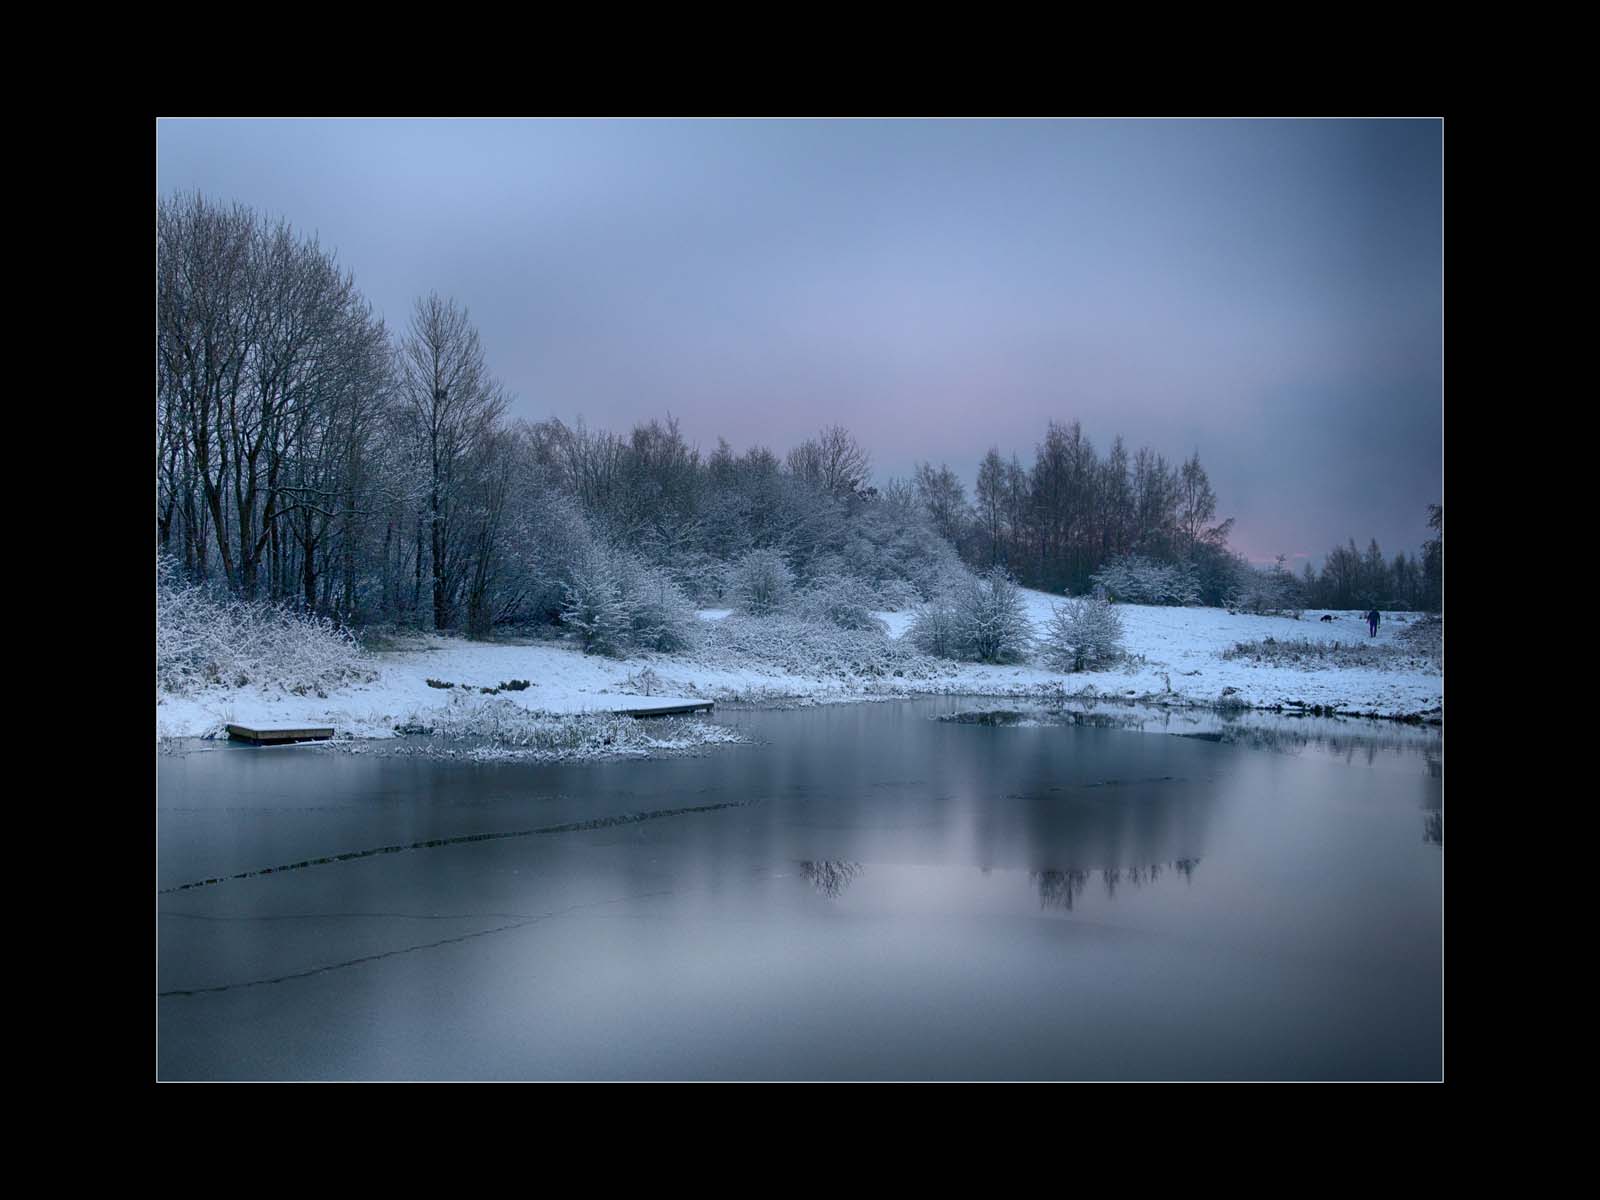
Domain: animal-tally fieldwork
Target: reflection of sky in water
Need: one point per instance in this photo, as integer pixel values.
(1386, 745)
(900, 897)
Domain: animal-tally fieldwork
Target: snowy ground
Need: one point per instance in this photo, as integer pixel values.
(1176, 658)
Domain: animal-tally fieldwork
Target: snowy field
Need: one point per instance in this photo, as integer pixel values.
(1175, 657)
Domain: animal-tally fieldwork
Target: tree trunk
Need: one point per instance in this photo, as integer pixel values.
(416, 587)
(309, 576)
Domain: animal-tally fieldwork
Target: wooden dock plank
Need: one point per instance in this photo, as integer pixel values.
(666, 710)
(245, 733)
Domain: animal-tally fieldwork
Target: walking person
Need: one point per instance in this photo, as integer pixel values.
(1372, 623)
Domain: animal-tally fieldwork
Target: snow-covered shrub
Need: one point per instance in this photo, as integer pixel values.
(697, 575)
(819, 568)
(936, 626)
(619, 603)
(794, 644)
(1265, 591)
(974, 618)
(761, 582)
(843, 600)
(661, 617)
(897, 595)
(994, 624)
(204, 640)
(595, 605)
(498, 729)
(547, 535)
(1136, 580)
(1082, 634)
(889, 542)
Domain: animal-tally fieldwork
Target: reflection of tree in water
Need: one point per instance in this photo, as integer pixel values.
(1061, 889)
(830, 876)
(1058, 889)
(1344, 737)
(1345, 745)
(1433, 828)
(1103, 720)
(1045, 716)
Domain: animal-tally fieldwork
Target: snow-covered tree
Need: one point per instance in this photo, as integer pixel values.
(843, 600)
(660, 616)
(994, 625)
(975, 619)
(618, 603)
(595, 604)
(1271, 589)
(1138, 580)
(935, 628)
(1082, 634)
(762, 582)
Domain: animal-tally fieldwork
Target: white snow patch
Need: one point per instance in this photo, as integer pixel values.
(1176, 657)
(896, 622)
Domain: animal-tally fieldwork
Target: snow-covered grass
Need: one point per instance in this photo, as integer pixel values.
(807, 646)
(1309, 654)
(1175, 656)
(204, 642)
(497, 728)
(1425, 638)
(562, 680)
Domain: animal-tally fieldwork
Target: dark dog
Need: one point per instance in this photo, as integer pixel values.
(1327, 618)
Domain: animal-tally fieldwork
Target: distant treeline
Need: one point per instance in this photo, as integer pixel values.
(308, 455)
(1144, 531)
(1351, 579)
(1058, 523)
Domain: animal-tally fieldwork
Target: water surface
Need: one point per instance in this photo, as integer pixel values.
(863, 892)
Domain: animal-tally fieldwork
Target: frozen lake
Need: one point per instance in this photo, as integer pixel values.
(865, 892)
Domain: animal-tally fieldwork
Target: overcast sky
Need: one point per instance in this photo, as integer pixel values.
(1266, 292)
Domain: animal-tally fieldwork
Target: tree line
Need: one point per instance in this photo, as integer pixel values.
(1146, 529)
(1056, 524)
(1352, 579)
(308, 455)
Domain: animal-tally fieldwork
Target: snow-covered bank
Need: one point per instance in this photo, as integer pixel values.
(1175, 657)
(561, 680)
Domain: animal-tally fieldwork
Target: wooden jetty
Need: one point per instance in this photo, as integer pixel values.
(666, 710)
(276, 737)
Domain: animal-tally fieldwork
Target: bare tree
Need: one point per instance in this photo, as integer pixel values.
(832, 461)
(991, 494)
(205, 311)
(261, 342)
(454, 402)
(489, 469)
(1197, 503)
(944, 499)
